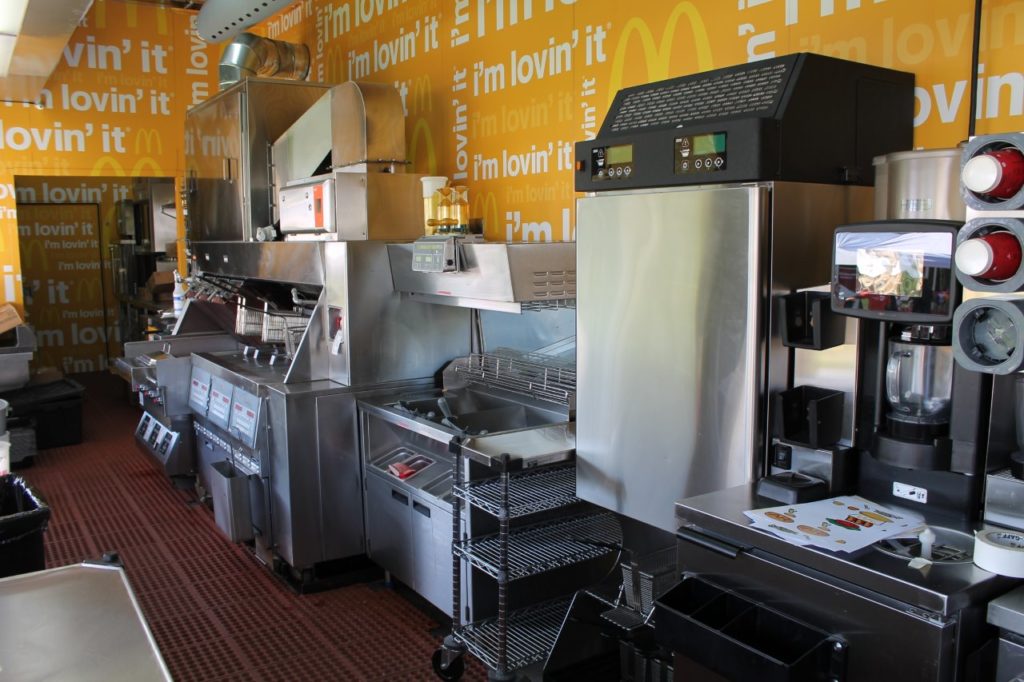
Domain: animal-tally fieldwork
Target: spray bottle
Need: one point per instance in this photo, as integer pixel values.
(179, 294)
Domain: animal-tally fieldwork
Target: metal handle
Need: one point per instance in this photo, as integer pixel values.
(229, 169)
(704, 541)
(399, 497)
(421, 508)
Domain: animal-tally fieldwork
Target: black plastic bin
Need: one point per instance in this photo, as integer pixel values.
(56, 408)
(741, 639)
(23, 519)
(808, 415)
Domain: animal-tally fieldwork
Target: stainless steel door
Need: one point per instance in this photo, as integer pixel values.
(389, 527)
(670, 334)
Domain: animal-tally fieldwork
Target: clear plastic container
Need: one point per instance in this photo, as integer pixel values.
(919, 382)
(431, 199)
(460, 209)
(446, 220)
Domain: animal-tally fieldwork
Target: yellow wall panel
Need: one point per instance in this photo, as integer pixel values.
(115, 106)
(65, 285)
(496, 91)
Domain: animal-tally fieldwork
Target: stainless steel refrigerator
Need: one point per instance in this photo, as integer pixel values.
(708, 195)
(677, 349)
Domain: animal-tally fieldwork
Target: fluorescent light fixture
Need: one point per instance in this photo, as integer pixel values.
(6, 51)
(12, 14)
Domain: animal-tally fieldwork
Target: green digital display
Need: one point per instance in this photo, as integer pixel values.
(712, 143)
(622, 153)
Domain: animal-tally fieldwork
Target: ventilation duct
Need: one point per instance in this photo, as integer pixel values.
(250, 55)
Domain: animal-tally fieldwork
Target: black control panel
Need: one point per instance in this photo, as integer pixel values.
(802, 118)
(143, 426)
(610, 163)
(701, 153)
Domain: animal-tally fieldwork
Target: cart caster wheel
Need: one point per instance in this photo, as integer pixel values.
(455, 668)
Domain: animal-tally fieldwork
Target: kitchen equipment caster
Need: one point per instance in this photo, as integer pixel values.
(448, 663)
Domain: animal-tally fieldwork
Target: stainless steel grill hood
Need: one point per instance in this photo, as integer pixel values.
(496, 276)
(354, 137)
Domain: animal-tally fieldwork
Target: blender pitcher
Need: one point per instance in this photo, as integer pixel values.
(919, 380)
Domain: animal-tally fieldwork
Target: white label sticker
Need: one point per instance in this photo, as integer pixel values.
(199, 393)
(244, 421)
(220, 405)
(909, 492)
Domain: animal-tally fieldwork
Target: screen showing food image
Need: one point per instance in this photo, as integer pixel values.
(894, 273)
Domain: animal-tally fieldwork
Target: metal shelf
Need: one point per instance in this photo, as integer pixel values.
(529, 492)
(531, 635)
(536, 549)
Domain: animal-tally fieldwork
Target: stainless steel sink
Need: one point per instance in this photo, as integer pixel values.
(475, 412)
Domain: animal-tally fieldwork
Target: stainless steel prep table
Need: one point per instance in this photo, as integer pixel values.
(915, 624)
(76, 622)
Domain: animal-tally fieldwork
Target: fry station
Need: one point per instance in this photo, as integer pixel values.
(757, 413)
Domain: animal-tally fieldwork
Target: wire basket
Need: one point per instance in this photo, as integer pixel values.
(646, 579)
(536, 377)
(277, 328)
(248, 322)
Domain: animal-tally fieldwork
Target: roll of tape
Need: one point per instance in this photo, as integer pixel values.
(1000, 551)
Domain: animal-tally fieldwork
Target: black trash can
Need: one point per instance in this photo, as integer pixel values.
(23, 519)
(56, 409)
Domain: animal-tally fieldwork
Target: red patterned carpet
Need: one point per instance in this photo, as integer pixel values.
(215, 612)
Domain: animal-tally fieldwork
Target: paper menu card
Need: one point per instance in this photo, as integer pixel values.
(839, 524)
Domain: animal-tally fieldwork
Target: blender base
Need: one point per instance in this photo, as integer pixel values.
(935, 455)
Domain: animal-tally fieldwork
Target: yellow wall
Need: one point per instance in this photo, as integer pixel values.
(53, 232)
(114, 107)
(497, 91)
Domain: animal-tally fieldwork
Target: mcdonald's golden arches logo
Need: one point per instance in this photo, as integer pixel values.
(658, 54)
(485, 207)
(33, 255)
(88, 291)
(421, 135)
(421, 96)
(139, 169)
(152, 138)
(107, 162)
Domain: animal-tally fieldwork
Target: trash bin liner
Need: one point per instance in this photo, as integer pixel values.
(23, 519)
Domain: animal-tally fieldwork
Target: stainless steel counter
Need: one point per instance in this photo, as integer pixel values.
(255, 372)
(1007, 612)
(530, 447)
(75, 623)
(941, 589)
